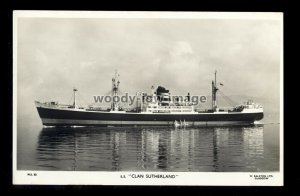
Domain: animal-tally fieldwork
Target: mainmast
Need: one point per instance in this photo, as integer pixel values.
(74, 103)
(115, 91)
(214, 92)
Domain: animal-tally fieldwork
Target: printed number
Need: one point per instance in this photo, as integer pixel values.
(31, 174)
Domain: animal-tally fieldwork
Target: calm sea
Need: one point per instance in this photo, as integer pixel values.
(220, 149)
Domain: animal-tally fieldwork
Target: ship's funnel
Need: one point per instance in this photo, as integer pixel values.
(160, 92)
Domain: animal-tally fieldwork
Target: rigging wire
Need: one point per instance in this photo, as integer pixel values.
(95, 103)
(227, 99)
(81, 99)
(70, 100)
(226, 87)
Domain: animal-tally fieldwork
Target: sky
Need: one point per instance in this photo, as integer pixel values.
(57, 54)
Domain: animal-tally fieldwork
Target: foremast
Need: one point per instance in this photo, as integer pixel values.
(115, 91)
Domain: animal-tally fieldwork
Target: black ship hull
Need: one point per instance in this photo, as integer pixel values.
(71, 117)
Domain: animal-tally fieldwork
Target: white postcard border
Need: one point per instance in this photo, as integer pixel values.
(140, 178)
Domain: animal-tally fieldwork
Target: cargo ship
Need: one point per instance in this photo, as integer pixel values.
(161, 110)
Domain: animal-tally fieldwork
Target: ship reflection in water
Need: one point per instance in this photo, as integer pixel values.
(156, 149)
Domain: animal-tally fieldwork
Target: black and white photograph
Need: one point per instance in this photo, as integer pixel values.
(148, 98)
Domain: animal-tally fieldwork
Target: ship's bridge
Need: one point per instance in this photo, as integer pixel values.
(167, 106)
(162, 102)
